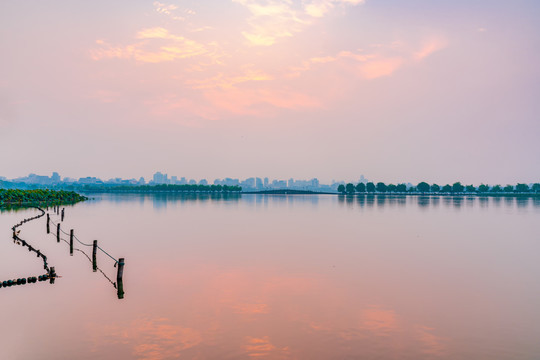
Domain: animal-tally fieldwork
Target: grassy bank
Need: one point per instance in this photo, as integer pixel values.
(15, 198)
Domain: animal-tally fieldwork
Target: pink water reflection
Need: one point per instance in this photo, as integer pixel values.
(284, 278)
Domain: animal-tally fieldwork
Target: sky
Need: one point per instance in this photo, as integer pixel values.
(399, 91)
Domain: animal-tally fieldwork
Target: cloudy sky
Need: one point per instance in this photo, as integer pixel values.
(396, 90)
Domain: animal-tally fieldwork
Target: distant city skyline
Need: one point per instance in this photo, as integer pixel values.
(258, 183)
(412, 91)
(159, 178)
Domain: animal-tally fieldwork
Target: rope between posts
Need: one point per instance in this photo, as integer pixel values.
(76, 238)
(82, 243)
(88, 257)
(108, 254)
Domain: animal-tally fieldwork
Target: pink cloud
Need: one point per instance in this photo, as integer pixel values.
(381, 67)
(429, 47)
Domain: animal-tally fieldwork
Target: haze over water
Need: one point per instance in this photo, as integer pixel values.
(280, 277)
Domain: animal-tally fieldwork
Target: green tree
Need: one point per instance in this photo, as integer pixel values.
(423, 187)
(457, 187)
(381, 187)
(435, 188)
(446, 188)
(496, 189)
(483, 188)
(391, 188)
(370, 187)
(522, 188)
(470, 188)
(360, 187)
(508, 188)
(536, 187)
(341, 188)
(401, 188)
(412, 189)
(349, 188)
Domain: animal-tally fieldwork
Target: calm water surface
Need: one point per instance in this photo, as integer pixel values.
(280, 277)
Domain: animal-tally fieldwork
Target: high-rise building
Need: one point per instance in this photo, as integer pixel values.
(55, 178)
(160, 178)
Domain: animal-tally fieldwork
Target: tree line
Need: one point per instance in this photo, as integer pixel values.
(167, 188)
(424, 187)
(22, 197)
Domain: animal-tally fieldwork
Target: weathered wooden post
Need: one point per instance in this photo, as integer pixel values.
(94, 260)
(52, 275)
(119, 280)
(48, 221)
(71, 242)
(120, 272)
(62, 218)
(58, 232)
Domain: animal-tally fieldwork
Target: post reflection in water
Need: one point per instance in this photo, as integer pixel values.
(291, 277)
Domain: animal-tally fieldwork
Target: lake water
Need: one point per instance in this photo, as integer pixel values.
(279, 277)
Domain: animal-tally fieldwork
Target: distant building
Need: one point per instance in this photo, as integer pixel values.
(290, 183)
(160, 178)
(279, 184)
(55, 178)
(90, 180)
(248, 183)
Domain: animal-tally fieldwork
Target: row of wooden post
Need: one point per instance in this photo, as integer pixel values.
(120, 263)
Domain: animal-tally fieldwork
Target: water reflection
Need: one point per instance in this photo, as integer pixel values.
(425, 202)
(293, 277)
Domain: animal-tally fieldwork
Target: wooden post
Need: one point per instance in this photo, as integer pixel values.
(119, 280)
(94, 260)
(120, 289)
(62, 214)
(48, 221)
(71, 242)
(52, 275)
(120, 272)
(58, 232)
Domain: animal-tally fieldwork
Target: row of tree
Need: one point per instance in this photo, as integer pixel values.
(170, 188)
(424, 187)
(17, 196)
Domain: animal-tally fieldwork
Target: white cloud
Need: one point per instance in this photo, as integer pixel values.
(271, 20)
